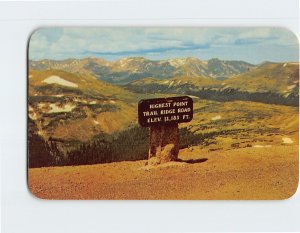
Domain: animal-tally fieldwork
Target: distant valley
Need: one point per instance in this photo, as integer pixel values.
(274, 83)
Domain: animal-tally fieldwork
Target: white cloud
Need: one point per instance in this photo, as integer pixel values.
(61, 43)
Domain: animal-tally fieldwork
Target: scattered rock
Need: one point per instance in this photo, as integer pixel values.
(287, 141)
(151, 164)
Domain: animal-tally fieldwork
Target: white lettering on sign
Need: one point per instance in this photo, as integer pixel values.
(161, 105)
(180, 104)
(150, 113)
(154, 119)
(179, 110)
(165, 110)
(171, 111)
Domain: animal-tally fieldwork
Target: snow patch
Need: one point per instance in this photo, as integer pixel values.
(216, 118)
(60, 95)
(31, 113)
(193, 97)
(65, 108)
(177, 62)
(80, 101)
(290, 87)
(226, 87)
(41, 105)
(32, 116)
(58, 80)
(262, 146)
(171, 84)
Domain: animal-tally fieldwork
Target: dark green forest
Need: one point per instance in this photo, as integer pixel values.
(127, 145)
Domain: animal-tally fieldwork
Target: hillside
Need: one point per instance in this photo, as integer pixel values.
(268, 83)
(280, 78)
(75, 106)
(129, 69)
(215, 126)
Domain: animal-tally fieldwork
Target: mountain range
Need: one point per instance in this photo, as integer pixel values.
(276, 83)
(126, 70)
(76, 99)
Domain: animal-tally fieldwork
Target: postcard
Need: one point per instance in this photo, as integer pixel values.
(163, 113)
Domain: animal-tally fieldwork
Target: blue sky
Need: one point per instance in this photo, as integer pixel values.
(253, 45)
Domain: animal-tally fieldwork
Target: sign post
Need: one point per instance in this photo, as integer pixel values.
(163, 115)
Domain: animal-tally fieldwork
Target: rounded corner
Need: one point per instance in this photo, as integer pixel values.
(140, 102)
(29, 40)
(291, 195)
(291, 32)
(32, 33)
(33, 194)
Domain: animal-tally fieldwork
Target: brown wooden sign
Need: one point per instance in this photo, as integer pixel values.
(153, 112)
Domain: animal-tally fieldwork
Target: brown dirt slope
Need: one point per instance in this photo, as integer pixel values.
(244, 173)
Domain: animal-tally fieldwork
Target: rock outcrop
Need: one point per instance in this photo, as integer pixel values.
(164, 144)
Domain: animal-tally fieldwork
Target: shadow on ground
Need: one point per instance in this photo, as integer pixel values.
(193, 160)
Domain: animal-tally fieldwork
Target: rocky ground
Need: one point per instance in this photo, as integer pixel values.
(243, 173)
